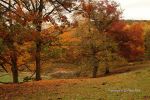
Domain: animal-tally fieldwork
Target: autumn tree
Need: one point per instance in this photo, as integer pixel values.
(99, 16)
(130, 40)
(147, 41)
(11, 40)
(147, 48)
(2, 59)
(37, 12)
(7, 35)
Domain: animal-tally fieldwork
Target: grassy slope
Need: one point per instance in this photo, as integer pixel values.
(136, 84)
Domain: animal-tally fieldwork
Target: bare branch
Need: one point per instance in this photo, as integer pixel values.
(7, 5)
(7, 10)
(63, 5)
(4, 60)
(27, 66)
(34, 8)
(2, 65)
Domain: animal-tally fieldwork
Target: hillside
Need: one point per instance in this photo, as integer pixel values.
(132, 85)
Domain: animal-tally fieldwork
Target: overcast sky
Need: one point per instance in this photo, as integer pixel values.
(135, 9)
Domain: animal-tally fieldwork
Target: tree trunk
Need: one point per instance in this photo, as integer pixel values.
(38, 54)
(14, 67)
(38, 59)
(38, 41)
(107, 69)
(95, 67)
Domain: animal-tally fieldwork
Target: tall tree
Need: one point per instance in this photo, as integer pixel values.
(10, 33)
(36, 12)
(100, 15)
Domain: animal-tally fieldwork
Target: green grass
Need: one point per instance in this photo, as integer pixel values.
(5, 77)
(133, 85)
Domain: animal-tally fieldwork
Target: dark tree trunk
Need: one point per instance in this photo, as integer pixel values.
(38, 42)
(95, 67)
(107, 69)
(38, 54)
(14, 67)
(38, 59)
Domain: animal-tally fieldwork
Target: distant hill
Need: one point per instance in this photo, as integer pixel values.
(138, 21)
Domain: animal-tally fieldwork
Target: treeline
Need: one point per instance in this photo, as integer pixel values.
(99, 35)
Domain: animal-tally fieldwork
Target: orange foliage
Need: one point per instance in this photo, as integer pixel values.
(130, 39)
(68, 36)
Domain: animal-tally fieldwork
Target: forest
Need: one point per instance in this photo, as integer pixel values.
(72, 50)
